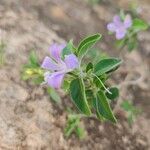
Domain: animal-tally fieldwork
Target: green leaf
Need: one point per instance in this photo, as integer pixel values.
(33, 60)
(69, 49)
(98, 82)
(72, 123)
(66, 85)
(139, 24)
(132, 111)
(87, 43)
(89, 94)
(54, 95)
(38, 79)
(127, 105)
(106, 65)
(89, 67)
(132, 44)
(36, 74)
(80, 131)
(78, 95)
(90, 97)
(114, 93)
(103, 108)
(121, 43)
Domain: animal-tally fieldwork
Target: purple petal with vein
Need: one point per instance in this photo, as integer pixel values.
(55, 51)
(71, 61)
(49, 64)
(120, 33)
(111, 27)
(55, 80)
(127, 21)
(117, 21)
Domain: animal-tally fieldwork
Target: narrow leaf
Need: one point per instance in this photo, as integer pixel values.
(54, 95)
(33, 59)
(106, 65)
(87, 43)
(103, 107)
(139, 24)
(78, 95)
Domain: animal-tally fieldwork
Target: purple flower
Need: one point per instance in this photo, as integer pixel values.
(120, 27)
(57, 68)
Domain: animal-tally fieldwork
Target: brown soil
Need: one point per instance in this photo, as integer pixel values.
(28, 119)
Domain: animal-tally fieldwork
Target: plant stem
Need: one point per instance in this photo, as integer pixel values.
(101, 83)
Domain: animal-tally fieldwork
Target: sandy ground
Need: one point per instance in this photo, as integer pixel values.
(28, 119)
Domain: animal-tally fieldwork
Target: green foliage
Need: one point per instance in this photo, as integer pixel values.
(103, 108)
(106, 65)
(114, 93)
(74, 126)
(68, 49)
(131, 110)
(81, 132)
(78, 95)
(132, 44)
(54, 95)
(86, 84)
(32, 70)
(87, 43)
(88, 88)
(95, 55)
(89, 67)
(139, 25)
(2, 52)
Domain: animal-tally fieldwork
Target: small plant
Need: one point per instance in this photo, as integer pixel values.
(2, 53)
(126, 30)
(86, 84)
(32, 69)
(131, 110)
(74, 126)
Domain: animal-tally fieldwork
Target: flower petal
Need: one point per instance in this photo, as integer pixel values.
(55, 51)
(55, 79)
(127, 21)
(117, 21)
(71, 61)
(49, 64)
(120, 33)
(111, 27)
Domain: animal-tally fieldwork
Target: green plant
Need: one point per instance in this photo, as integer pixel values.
(131, 110)
(86, 84)
(74, 125)
(32, 69)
